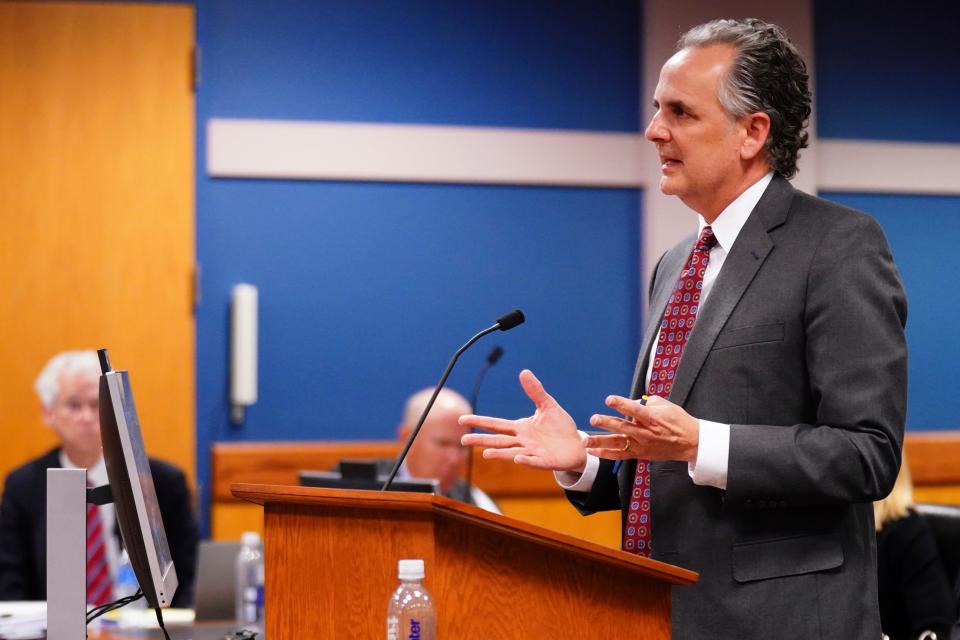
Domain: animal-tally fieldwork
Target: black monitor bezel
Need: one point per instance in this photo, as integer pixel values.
(119, 442)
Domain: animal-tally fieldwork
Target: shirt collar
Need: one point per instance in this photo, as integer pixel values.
(727, 225)
(97, 474)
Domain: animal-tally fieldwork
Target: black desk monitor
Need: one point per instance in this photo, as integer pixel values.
(131, 483)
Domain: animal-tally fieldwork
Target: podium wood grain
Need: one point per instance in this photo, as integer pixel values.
(331, 560)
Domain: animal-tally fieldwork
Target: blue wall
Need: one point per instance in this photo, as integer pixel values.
(536, 63)
(920, 230)
(367, 289)
(888, 71)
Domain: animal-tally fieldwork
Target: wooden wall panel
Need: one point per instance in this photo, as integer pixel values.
(526, 494)
(934, 457)
(558, 514)
(230, 519)
(96, 201)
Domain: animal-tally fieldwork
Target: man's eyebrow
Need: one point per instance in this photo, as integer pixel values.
(678, 104)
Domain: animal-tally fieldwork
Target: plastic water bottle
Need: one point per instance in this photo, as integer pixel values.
(126, 583)
(250, 582)
(410, 612)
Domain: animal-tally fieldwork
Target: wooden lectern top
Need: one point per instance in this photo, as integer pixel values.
(443, 507)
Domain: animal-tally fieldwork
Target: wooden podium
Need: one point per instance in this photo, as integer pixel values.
(331, 565)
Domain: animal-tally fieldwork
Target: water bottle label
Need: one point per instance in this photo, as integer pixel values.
(414, 629)
(393, 628)
(251, 610)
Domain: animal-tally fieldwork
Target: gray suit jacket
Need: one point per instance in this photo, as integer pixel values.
(800, 348)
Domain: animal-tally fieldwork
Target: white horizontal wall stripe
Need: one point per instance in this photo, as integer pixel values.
(488, 155)
(888, 167)
(420, 153)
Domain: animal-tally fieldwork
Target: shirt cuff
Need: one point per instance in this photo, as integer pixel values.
(713, 455)
(572, 481)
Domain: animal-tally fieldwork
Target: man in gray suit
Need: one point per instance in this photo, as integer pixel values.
(775, 412)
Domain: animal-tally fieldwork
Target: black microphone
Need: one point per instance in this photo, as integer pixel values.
(492, 359)
(509, 320)
(504, 323)
(494, 355)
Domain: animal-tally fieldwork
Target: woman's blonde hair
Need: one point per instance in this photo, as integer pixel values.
(900, 499)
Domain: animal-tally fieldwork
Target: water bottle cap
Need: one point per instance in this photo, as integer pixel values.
(410, 569)
(250, 539)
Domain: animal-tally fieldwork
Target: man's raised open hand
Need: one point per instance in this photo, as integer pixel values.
(546, 440)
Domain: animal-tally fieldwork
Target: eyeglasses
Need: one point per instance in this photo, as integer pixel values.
(76, 406)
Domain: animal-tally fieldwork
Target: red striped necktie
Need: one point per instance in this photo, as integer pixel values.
(675, 329)
(98, 571)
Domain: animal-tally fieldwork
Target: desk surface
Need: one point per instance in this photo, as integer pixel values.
(196, 631)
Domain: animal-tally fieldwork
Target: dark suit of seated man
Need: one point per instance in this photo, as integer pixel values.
(69, 393)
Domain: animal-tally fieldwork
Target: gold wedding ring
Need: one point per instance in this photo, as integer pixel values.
(626, 444)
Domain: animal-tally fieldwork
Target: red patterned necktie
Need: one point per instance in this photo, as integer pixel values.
(675, 328)
(98, 571)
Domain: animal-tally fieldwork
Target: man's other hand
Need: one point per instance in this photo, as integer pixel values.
(657, 430)
(546, 440)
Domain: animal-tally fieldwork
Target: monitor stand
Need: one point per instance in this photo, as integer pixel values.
(67, 497)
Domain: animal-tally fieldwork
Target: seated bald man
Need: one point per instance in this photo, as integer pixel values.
(437, 454)
(69, 393)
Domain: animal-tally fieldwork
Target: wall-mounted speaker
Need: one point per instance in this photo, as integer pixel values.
(243, 350)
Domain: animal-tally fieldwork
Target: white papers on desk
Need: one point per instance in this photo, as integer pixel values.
(127, 618)
(23, 620)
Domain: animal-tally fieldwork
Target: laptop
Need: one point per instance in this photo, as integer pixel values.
(216, 581)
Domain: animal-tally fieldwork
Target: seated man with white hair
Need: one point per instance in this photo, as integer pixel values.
(437, 454)
(68, 388)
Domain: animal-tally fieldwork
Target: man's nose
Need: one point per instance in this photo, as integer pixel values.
(456, 455)
(90, 412)
(656, 132)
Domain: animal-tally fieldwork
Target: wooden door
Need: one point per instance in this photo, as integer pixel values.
(96, 209)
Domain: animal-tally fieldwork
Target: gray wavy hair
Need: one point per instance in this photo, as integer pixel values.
(47, 384)
(768, 76)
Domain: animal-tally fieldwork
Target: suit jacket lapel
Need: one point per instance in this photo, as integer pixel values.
(664, 282)
(751, 248)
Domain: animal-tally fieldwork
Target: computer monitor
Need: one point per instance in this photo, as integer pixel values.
(131, 483)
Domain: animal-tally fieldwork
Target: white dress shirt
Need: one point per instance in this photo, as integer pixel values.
(713, 449)
(96, 477)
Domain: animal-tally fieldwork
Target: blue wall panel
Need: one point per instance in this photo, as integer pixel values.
(367, 289)
(920, 230)
(888, 70)
(537, 63)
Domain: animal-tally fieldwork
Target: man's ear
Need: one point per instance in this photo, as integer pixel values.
(756, 127)
(403, 431)
(46, 414)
